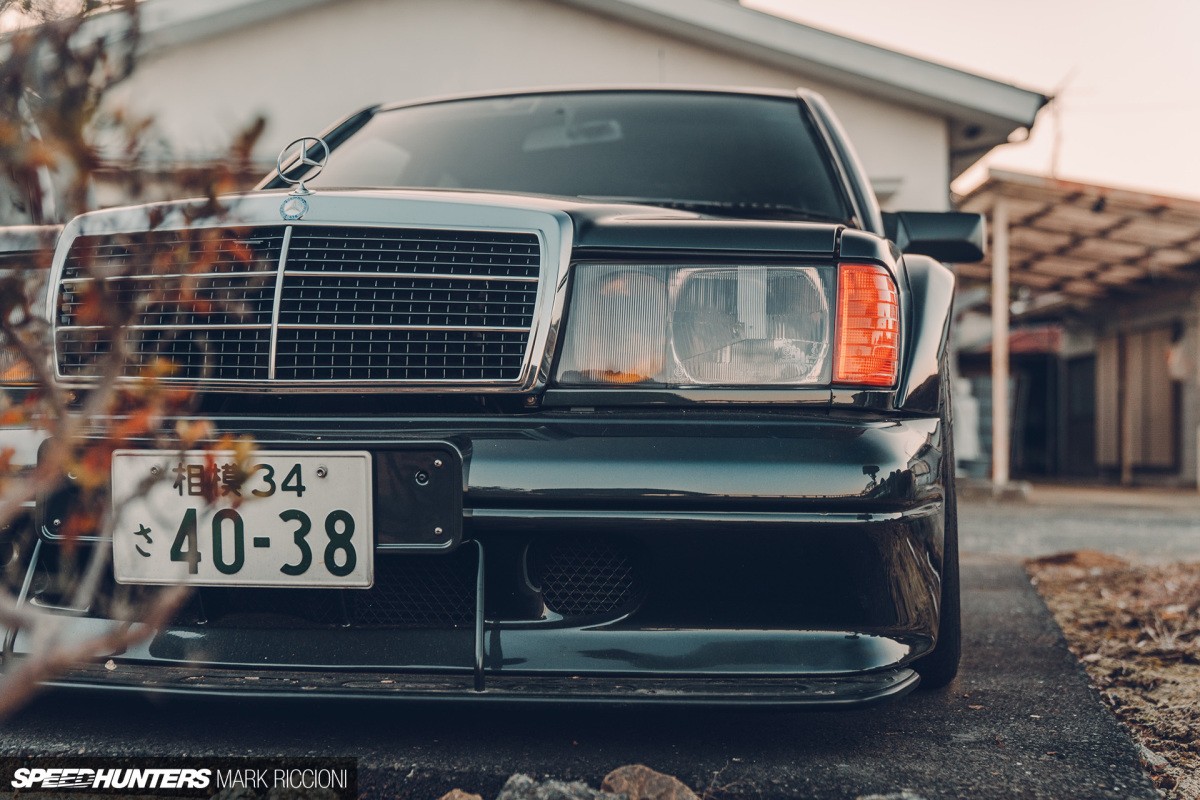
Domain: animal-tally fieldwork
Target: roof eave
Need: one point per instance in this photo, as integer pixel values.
(983, 112)
(170, 23)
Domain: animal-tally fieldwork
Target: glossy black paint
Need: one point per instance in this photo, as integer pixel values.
(418, 497)
(931, 286)
(608, 228)
(792, 540)
(862, 247)
(820, 598)
(680, 397)
(613, 460)
(781, 543)
(743, 690)
(947, 236)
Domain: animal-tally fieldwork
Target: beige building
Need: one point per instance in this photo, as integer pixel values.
(210, 66)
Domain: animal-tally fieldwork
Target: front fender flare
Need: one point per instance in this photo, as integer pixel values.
(931, 288)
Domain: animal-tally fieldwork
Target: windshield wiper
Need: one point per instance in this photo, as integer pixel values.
(728, 208)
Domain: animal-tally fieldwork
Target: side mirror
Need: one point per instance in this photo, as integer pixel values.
(952, 236)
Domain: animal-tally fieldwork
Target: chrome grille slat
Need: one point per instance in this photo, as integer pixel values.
(193, 275)
(374, 327)
(292, 273)
(457, 237)
(170, 327)
(281, 269)
(312, 304)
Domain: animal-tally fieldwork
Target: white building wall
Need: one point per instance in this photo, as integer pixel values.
(304, 70)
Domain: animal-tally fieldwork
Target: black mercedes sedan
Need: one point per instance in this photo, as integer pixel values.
(614, 395)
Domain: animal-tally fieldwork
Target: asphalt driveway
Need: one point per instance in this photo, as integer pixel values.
(1020, 721)
(1146, 524)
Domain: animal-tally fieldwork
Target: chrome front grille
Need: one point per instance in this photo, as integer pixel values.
(164, 253)
(230, 354)
(201, 300)
(306, 304)
(209, 300)
(364, 354)
(371, 304)
(479, 255)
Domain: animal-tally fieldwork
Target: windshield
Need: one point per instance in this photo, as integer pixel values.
(736, 154)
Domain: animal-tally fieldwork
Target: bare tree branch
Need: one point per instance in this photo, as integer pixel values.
(55, 73)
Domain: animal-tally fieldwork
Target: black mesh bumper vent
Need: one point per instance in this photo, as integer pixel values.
(409, 592)
(419, 592)
(587, 577)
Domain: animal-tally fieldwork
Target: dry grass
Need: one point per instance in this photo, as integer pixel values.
(1137, 631)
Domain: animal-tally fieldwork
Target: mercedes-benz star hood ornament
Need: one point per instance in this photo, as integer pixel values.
(295, 206)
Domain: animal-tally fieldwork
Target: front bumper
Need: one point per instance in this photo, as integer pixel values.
(772, 692)
(781, 559)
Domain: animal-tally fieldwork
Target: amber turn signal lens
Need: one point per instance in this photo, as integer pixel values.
(14, 369)
(868, 327)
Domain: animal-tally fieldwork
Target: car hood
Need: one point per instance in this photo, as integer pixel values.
(595, 226)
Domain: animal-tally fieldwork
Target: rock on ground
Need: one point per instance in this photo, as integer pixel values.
(523, 787)
(639, 782)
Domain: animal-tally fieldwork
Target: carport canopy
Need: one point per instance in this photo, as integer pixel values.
(1071, 245)
(1077, 244)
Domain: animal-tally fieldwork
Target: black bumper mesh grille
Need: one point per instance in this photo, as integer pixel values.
(583, 576)
(409, 592)
(578, 576)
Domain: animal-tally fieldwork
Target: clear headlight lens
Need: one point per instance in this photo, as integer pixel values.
(699, 326)
(618, 327)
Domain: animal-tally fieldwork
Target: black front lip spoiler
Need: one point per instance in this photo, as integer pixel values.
(824, 692)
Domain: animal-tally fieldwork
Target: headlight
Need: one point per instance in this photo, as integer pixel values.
(699, 326)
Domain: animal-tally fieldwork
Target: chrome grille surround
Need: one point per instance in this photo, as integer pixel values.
(458, 297)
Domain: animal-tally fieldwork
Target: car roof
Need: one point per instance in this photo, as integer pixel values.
(798, 93)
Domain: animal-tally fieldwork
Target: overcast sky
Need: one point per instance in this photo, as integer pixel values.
(1127, 74)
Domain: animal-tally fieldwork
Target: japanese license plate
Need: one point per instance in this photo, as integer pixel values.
(299, 519)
